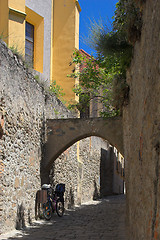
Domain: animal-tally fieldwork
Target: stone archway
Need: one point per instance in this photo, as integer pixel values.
(62, 133)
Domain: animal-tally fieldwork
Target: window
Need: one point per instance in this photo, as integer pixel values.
(29, 44)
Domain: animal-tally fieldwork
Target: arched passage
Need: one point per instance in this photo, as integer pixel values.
(89, 170)
(62, 133)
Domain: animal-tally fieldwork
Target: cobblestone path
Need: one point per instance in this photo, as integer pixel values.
(104, 219)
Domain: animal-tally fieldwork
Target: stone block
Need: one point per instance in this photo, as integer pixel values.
(16, 182)
(31, 161)
(22, 181)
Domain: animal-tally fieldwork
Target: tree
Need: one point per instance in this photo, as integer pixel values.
(94, 84)
(107, 82)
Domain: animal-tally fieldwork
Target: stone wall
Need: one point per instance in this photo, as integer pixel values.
(82, 177)
(90, 175)
(65, 170)
(88, 169)
(142, 131)
(25, 107)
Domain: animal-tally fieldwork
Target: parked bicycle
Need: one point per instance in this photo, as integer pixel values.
(55, 200)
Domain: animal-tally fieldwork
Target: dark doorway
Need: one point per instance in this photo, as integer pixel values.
(106, 172)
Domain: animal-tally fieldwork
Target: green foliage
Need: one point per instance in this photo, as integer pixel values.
(114, 48)
(57, 90)
(53, 88)
(128, 20)
(55, 111)
(17, 52)
(95, 84)
(37, 78)
(41, 82)
(3, 36)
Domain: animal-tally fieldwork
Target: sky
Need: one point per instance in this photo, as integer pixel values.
(94, 10)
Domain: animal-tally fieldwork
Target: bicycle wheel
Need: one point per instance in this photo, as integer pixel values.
(59, 208)
(47, 211)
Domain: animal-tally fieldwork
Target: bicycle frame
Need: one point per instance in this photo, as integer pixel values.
(53, 203)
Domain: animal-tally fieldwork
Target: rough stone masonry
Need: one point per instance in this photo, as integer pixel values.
(25, 105)
(142, 131)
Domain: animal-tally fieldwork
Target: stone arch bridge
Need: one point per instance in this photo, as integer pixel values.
(62, 133)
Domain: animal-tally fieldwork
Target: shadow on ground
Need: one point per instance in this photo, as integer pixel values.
(103, 219)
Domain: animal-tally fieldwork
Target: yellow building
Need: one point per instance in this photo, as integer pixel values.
(46, 33)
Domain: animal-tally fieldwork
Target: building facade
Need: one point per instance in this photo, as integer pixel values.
(46, 33)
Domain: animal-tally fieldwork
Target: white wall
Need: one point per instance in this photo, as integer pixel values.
(44, 9)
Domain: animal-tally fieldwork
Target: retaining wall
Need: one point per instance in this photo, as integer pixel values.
(25, 106)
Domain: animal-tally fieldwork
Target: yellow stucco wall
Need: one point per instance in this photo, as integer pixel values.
(77, 9)
(17, 4)
(65, 40)
(38, 22)
(4, 11)
(76, 27)
(16, 25)
(64, 37)
(13, 14)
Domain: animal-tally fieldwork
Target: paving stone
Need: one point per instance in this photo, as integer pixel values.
(104, 219)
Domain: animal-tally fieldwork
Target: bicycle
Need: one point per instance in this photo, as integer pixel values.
(55, 200)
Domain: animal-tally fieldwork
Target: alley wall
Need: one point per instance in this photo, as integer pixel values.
(25, 104)
(142, 131)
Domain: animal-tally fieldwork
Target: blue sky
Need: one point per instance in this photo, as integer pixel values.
(94, 10)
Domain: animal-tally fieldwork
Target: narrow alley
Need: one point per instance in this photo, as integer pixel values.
(103, 219)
